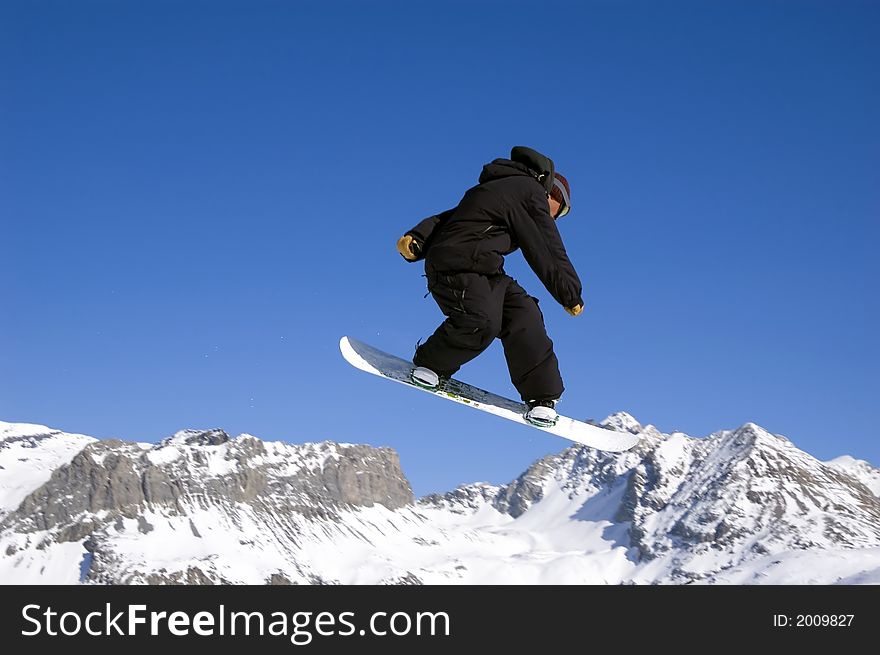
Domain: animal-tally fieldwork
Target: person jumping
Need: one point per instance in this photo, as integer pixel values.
(514, 205)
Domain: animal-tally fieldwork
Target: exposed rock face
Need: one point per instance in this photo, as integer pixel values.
(123, 478)
(113, 486)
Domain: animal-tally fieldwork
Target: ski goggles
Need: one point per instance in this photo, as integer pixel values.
(565, 204)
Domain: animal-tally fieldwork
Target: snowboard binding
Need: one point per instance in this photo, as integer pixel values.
(425, 378)
(541, 414)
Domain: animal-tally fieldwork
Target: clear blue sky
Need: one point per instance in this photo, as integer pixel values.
(198, 199)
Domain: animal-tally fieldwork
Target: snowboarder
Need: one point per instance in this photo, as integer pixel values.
(514, 205)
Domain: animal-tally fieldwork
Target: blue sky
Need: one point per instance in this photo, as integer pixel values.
(198, 199)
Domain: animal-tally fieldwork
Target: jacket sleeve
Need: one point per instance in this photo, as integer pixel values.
(538, 237)
(426, 229)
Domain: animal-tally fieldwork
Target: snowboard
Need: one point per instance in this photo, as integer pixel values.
(369, 359)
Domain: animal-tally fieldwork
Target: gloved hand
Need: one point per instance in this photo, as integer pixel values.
(574, 311)
(408, 248)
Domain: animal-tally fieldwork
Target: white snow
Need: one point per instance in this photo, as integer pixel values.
(860, 469)
(571, 533)
(28, 455)
(54, 563)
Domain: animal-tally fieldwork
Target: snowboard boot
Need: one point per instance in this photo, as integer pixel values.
(425, 377)
(541, 413)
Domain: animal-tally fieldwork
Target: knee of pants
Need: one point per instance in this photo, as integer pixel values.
(525, 323)
(473, 332)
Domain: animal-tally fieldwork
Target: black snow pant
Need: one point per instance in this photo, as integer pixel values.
(478, 309)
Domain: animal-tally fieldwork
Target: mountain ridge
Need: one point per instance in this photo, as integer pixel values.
(199, 507)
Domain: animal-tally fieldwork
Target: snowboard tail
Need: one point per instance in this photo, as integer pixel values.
(374, 361)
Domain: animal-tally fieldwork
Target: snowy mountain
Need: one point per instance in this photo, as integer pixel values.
(739, 506)
(28, 455)
(859, 469)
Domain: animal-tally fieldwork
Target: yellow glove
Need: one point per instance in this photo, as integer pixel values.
(408, 248)
(574, 311)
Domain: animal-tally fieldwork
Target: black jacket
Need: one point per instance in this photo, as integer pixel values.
(507, 210)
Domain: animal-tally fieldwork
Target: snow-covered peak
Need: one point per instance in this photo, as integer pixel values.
(31, 435)
(465, 498)
(746, 438)
(214, 453)
(28, 455)
(213, 437)
(622, 422)
(17, 430)
(860, 469)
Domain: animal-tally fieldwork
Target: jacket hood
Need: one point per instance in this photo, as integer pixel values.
(523, 161)
(499, 168)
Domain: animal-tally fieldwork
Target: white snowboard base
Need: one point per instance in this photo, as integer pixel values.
(369, 359)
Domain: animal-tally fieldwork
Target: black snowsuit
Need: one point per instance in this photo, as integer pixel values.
(464, 250)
